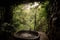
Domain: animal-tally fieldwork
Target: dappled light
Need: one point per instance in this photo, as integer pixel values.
(31, 16)
(29, 19)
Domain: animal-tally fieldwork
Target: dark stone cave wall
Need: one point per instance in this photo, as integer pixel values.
(54, 10)
(54, 20)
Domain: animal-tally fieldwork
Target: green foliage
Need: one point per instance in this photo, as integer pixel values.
(7, 27)
(24, 17)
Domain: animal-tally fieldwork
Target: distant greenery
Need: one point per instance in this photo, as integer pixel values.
(24, 16)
